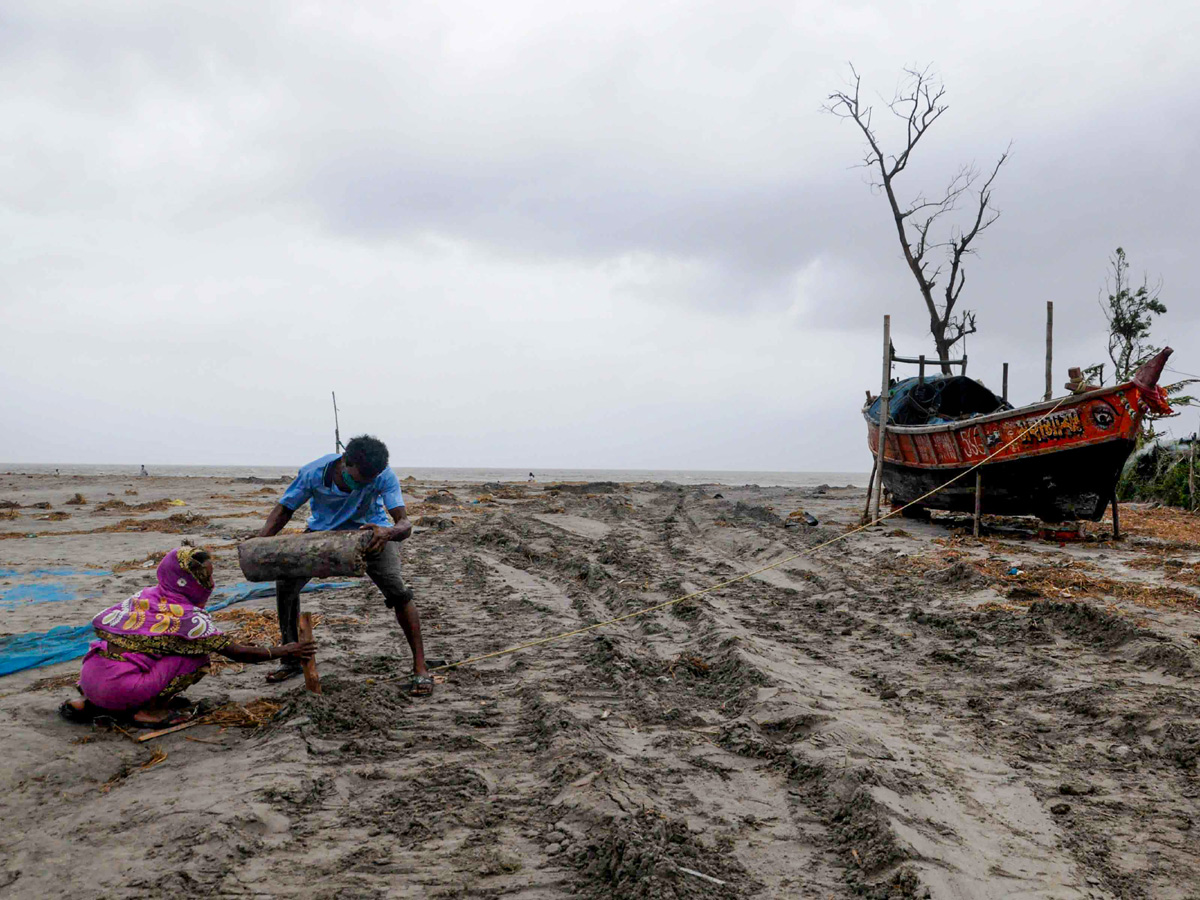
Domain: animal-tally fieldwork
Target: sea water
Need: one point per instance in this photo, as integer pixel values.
(469, 475)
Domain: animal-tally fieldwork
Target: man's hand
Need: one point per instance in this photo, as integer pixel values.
(379, 537)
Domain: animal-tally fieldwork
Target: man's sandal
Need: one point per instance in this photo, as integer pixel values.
(284, 673)
(76, 715)
(421, 686)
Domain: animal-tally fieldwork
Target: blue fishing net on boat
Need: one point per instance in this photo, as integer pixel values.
(937, 400)
(34, 649)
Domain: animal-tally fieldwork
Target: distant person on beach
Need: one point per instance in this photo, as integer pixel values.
(143, 472)
(354, 490)
(156, 644)
(532, 477)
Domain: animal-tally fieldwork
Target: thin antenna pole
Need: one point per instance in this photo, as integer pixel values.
(338, 447)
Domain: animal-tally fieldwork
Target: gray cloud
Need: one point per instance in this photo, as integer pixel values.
(463, 215)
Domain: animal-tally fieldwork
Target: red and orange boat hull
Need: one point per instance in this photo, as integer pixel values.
(1056, 463)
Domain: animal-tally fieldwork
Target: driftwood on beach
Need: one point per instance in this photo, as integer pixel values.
(317, 555)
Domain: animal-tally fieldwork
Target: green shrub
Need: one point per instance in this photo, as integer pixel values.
(1158, 473)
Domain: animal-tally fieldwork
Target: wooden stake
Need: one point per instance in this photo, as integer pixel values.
(1049, 349)
(1116, 517)
(305, 632)
(884, 401)
(1004, 395)
(978, 498)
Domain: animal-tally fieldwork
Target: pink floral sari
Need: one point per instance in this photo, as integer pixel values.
(156, 643)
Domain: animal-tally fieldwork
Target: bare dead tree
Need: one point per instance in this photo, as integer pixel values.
(918, 103)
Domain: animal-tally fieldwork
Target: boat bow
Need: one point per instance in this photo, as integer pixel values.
(1146, 381)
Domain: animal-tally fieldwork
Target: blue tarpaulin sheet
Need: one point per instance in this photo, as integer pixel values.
(66, 642)
(47, 586)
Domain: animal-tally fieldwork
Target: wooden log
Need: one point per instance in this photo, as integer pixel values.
(312, 681)
(320, 554)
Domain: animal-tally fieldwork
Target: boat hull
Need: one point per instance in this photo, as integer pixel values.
(1059, 460)
(1076, 483)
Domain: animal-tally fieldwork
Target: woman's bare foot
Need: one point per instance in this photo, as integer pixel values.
(151, 716)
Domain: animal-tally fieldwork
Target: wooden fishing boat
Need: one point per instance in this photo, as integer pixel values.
(1061, 467)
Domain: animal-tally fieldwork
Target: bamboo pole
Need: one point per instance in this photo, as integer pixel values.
(884, 401)
(1004, 395)
(312, 681)
(1049, 349)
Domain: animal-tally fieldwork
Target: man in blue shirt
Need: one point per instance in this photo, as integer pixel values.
(354, 490)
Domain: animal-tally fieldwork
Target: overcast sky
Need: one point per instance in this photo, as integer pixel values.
(551, 233)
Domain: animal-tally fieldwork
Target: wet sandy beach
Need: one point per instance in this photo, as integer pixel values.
(908, 712)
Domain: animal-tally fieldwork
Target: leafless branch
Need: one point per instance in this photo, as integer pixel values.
(919, 102)
(960, 246)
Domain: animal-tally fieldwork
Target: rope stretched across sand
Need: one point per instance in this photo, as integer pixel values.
(722, 584)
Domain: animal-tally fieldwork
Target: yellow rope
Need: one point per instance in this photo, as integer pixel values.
(715, 587)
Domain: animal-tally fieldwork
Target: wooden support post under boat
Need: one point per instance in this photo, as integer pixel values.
(1116, 511)
(1192, 475)
(312, 681)
(1049, 349)
(1004, 394)
(884, 401)
(978, 498)
(870, 488)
